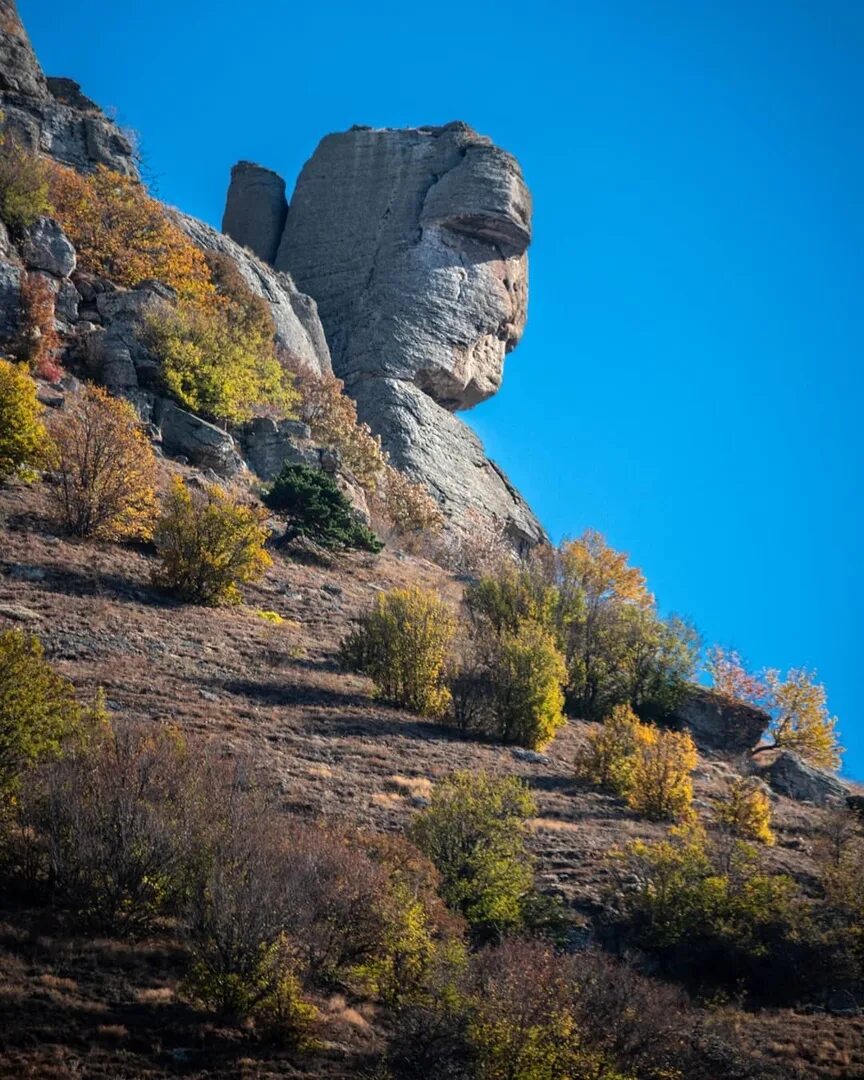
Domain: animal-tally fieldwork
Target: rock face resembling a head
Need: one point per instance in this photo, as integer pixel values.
(413, 244)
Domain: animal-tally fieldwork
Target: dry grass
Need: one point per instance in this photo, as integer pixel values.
(276, 692)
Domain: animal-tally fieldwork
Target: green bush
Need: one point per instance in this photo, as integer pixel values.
(526, 672)
(38, 710)
(208, 545)
(711, 915)
(22, 434)
(474, 831)
(402, 645)
(316, 508)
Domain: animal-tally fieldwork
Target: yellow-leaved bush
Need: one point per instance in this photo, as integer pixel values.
(105, 468)
(744, 810)
(648, 766)
(208, 545)
(219, 358)
(402, 644)
(22, 433)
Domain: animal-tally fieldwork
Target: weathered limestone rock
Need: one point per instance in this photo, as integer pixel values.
(790, 775)
(116, 352)
(10, 302)
(256, 209)
(431, 445)
(205, 445)
(298, 328)
(46, 247)
(413, 243)
(717, 723)
(52, 115)
(268, 444)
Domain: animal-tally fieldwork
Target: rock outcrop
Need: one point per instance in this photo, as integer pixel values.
(52, 115)
(717, 723)
(256, 209)
(413, 243)
(788, 774)
(298, 327)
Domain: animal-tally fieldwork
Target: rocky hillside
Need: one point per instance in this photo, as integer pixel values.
(712, 934)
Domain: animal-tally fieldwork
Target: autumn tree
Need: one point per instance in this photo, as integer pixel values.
(22, 433)
(208, 545)
(616, 646)
(797, 706)
(40, 343)
(105, 468)
(38, 709)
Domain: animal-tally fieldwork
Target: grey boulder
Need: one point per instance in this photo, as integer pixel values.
(46, 247)
(718, 723)
(788, 774)
(203, 444)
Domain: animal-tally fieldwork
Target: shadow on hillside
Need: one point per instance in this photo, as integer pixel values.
(70, 581)
(284, 693)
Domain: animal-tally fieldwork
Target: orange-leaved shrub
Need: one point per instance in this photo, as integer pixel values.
(208, 545)
(122, 233)
(105, 468)
(40, 343)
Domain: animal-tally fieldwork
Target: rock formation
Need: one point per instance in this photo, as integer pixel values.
(717, 723)
(52, 115)
(413, 243)
(790, 775)
(256, 209)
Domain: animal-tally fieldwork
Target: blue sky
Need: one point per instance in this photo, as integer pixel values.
(690, 382)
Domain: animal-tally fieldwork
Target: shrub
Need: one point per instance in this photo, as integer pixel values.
(526, 673)
(500, 603)
(105, 468)
(474, 831)
(402, 644)
(661, 788)
(744, 810)
(208, 545)
(115, 818)
(219, 358)
(409, 507)
(22, 434)
(121, 233)
(708, 922)
(316, 508)
(607, 759)
(38, 710)
(40, 342)
(332, 416)
(24, 185)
